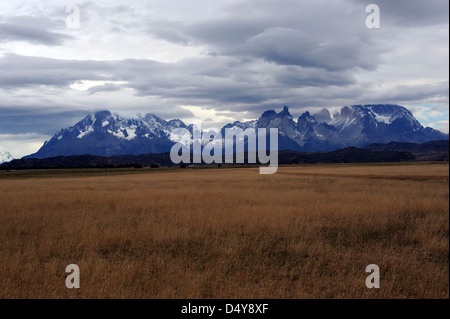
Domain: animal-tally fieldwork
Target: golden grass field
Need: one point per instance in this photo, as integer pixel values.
(305, 232)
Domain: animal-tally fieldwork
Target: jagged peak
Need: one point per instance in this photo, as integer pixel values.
(102, 113)
(153, 117)
(355, 125)
(346, 110)
(380, 108)
(95, 116)
(241, 124)
(323, 115)
(307, 116)
(175, 121)
(323, 111)
(285, 112)
(269, 113)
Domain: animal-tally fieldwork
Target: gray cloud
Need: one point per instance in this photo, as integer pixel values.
(169, 31)
(108, 87)
(224, 80)
(296, 47)
(31, 120)
(420, 93)
(223, 83)
(249, 56)
(37, 30)
(20, 71)
(410, 13)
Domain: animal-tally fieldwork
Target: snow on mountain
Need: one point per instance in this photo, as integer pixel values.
(317, 136)
(353, 126)
(107, 134)
(242, 125)
(382, 123)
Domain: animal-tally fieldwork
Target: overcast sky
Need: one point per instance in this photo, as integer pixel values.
(216, 60)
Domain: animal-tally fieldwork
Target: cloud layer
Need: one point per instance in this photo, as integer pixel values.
(232, 60)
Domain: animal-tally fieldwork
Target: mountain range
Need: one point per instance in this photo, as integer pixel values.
(109, 134)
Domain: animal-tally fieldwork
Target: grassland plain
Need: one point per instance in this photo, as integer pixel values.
(305, 232)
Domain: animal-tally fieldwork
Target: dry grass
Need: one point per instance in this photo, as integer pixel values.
(305, 232)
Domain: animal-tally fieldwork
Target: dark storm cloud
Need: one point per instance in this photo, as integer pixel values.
(258, 51)
(225, 83)
(293, 47)
(328, 35)
(15, 120)
(235, 58)
(255, 55)
(295, 76)
(410, 13)
(37, 30)
(20, 71)
(48, 121)
(437, 92)
(206, 79)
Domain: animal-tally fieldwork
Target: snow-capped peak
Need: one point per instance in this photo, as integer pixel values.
(242, 125)
(120, 127)
(387, 114)
(105, 133)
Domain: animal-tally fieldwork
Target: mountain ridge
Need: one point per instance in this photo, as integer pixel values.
(105, 133)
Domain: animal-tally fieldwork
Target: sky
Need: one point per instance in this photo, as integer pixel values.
(218, 61)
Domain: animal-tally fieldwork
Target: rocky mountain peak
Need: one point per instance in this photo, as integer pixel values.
(322, 116)
(284, 112)
(107, 134)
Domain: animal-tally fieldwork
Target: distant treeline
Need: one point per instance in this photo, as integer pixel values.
(391, 152)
